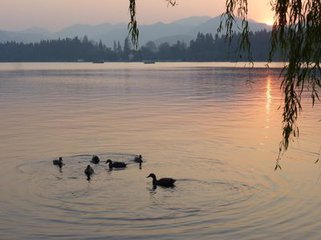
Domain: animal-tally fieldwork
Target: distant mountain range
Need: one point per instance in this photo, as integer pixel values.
(184, 30)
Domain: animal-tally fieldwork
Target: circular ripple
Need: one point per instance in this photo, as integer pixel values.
(47, 185)
(232, 202)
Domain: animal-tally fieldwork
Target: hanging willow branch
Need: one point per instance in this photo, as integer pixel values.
(237, 11)
(133, 26)
(296, 33)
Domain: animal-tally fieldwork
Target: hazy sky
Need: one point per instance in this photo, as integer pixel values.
(56, 14)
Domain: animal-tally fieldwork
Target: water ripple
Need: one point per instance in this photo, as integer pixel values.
(67, 198)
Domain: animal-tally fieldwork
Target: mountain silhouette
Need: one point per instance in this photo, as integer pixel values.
(181, 30)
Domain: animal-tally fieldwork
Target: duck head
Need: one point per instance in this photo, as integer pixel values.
(109, 161)
(152, 175)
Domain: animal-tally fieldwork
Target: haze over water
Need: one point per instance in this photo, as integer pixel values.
(204, 124)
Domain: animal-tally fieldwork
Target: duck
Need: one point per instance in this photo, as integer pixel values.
(95, 159)
(164, 182)
(115, 164)
(89, 171)
(58, 162)
(138, 159)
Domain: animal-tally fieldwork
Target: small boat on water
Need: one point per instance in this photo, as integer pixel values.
(98, 61)
(149, 62)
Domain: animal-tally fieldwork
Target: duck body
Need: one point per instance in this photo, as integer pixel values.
(89, 171)
(138, 159)
(115, 164)
(164, 182)
(58, 162)
(95, 159)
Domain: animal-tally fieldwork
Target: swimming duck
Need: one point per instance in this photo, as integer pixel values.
(89, 171)
(164, 182)
(115, 164)
(138, 159)
(95, 159)
(58, 162)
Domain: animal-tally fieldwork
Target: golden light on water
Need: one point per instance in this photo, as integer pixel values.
(268, 94)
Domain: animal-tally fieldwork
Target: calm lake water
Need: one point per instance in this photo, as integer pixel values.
(213, 127)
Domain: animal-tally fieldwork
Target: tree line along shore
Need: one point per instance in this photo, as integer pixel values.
(205, 47)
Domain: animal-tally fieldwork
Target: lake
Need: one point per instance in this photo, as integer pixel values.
(214, 127)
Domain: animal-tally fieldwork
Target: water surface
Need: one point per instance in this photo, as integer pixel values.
(213, 127)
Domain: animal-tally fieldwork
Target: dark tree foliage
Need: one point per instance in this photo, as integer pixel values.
(204, 48)
(127, 50)
(56, 50)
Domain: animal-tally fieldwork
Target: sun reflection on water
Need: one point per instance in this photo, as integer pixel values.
(268, 94)
(268, 97)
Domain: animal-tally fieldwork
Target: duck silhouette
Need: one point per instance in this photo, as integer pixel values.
(138, 158)
(164, 182)
(115, 164)
(95, 159)
(89, 171)
(58, 162)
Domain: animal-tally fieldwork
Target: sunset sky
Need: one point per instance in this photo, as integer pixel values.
(57, 14)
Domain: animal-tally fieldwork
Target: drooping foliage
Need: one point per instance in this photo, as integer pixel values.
(297, 33)
(132, 25)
